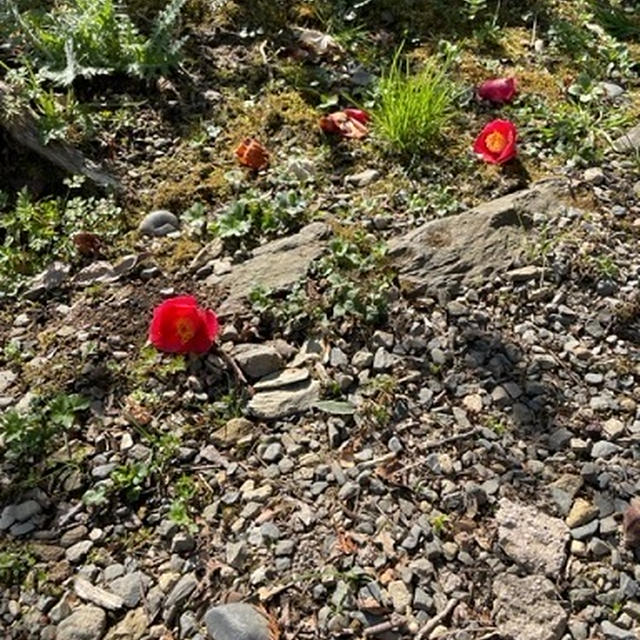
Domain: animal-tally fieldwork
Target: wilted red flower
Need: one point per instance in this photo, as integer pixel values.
(358, 114)
(349, 123)
(179, 325)
(497, 142)
(252, 154)
(498, 89)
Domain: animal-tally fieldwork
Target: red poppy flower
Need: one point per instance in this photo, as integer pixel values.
(498, 89)
(497, 142)
(349, 123)
(179, 325)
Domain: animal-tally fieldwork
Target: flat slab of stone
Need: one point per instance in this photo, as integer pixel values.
(281, 403)
(236, 621)
(473, 246)
(629, 141)
(531, 538)
(527, 609)
(277, 265)
(257, 360)
(280, 379)
(85, 623)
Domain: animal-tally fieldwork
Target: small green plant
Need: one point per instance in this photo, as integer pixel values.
(412, 109)
(15, 563)
(255, 215)
(185, 490)
(30, 435)
(85, 38)
(439, 523)
(496, 425)
(36, 232)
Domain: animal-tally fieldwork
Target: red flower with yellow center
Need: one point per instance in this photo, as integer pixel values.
(179, 325)
(496, 143)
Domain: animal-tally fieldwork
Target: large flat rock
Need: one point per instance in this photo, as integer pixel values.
(277, 265)
(531, 538)
(527, 609)
(473, 246)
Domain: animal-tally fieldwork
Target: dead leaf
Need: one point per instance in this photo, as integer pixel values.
(631, 524)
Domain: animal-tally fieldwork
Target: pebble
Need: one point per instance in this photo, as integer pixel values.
(159, 223)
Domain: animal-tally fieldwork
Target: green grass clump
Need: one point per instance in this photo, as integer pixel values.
(413, 108)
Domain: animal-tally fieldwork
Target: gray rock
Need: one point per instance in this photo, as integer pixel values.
(159, 223)
(53, 277)
(236, 554)
(472, 246)
(280, 379)
(130, 588)
(257, 360)
(363, 178)
(276, 265)
(281, 403)
(383, 360)
(526, 609)
(132, 627)
(100, 597)
(7, 378)
(236, 621)
(532, 538)
(629, 141)
(181, 591)
(593, 175)
(183, 543)
(99, 271)
(26, 510)
(78, 552)
(85, 623)
(273, 452)
(604, 449)
(8, 517)
(614, 632)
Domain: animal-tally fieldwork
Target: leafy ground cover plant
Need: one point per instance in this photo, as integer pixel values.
(413, 108)
(85, 38)
(35, 232)
(28, 436)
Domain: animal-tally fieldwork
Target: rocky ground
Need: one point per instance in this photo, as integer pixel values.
(470, 482)
(420, 419)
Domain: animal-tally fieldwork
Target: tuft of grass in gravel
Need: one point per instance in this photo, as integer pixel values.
(413, 108)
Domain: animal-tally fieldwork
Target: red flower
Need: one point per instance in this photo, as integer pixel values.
(357, 114)
(349, 123)
(497, 142)
(498, 89)
(180, 326)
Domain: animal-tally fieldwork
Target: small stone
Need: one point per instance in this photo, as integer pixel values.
(85, 623)
(181, 591)
(613, 428)
(400, 596)
(96, 595)
(593, 175)
(26, 510)
(585, 531)
(383, 360)
(272, 405)
(363, 178)
(159, 223)
(236, 554)
(613, 632)
(257, 360)
(183, 543)
(236, 621)
(581, 512)
(273, 452)
(130, 588)
(78, 552)
(604, 449)
(362, 359)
